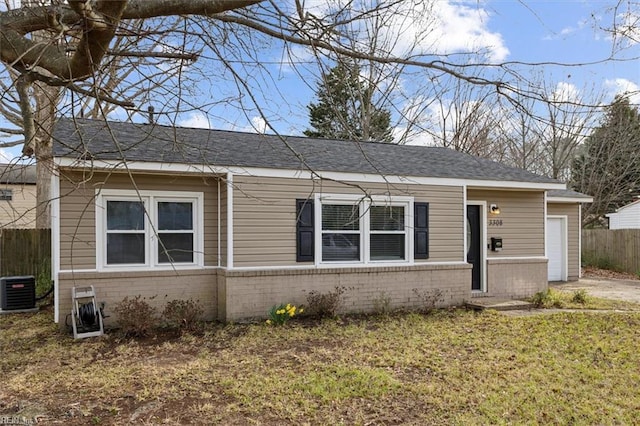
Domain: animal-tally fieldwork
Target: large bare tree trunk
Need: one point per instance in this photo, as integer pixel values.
(46, 100)
(40, 146)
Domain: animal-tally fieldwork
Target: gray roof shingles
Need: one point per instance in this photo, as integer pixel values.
(106, 140)
(567, 193)
(18, 174)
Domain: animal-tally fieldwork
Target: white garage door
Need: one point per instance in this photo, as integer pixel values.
(557, 248)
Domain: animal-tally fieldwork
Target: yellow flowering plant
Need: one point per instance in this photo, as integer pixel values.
(280, 314)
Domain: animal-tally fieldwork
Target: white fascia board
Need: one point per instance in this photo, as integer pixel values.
(155, 167)
(569, 200)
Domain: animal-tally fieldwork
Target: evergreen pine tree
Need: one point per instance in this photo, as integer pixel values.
(345, 108)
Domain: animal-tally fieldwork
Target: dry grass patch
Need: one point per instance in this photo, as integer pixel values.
(446, 368)
(579, 299)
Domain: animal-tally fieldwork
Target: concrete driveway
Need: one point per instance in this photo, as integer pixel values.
(607, 288)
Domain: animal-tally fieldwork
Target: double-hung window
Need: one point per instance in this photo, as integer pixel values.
(126, 232)
(388, 232)
(341, 232)
(6, 194)
(176, 233)
(149, 229)
(355, 230)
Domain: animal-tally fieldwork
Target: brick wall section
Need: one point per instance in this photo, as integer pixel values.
(516, 278)
(156, 286)
(250, 294)
(238, 295)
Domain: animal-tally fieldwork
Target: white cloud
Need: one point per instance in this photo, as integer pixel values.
(426, 28)
(462, 28)
(621, 86)
(417, 138)
(569, 30)
(5, 156)
(627, 26)
(565, 92)
(196, 119)
(259, 124)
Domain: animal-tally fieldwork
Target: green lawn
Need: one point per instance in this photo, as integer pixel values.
(453, 367)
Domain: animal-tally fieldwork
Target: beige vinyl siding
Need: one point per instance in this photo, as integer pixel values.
(264, 216)
(20, 211)
(77, 223)
(572, 211)
(77, 211)
(522, 216)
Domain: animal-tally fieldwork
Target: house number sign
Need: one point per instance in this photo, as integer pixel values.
(495, 222)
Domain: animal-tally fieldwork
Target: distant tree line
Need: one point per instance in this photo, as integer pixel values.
(559, 141)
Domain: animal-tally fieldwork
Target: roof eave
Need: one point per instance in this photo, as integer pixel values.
(570, 199)
(149, 167)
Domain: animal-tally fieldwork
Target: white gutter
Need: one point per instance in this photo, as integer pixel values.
(156, 167)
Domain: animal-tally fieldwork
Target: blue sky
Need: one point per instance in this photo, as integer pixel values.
(542, 31)
(567, 32)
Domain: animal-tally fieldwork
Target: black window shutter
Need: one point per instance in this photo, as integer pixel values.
(304, 231)
(421, 230)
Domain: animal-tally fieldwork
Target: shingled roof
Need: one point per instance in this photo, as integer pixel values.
(17, 174)
(569, 194)
(106, 140)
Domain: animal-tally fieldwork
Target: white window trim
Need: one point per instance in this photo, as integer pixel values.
(365, 203)
(150, 198)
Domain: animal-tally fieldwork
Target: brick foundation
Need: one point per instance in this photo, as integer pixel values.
(247, 294)
(516, 278)
(157, 287)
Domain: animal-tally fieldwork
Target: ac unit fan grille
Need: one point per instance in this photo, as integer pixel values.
(17, 293)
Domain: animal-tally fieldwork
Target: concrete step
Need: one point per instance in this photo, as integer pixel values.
(482, 303)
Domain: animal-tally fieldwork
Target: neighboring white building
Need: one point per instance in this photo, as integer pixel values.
(626, 217)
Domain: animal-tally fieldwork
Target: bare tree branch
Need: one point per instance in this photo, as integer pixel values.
(23, 85)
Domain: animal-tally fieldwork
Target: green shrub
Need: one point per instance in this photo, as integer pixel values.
(183, 314)
(280, 314)
(325, 305)
(136, 316)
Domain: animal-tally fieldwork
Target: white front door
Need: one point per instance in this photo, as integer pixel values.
(557, 248)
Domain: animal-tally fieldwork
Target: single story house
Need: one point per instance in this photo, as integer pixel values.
(242, 221)
(17, 196)
(626, 217)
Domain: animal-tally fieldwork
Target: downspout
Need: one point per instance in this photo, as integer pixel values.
(55, 241)
(544, 226)
(464, 223)
(579, 241)
(229, 220)
(219, 228)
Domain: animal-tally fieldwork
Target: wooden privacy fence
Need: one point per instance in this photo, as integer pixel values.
(25, 252)
(613, 248)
